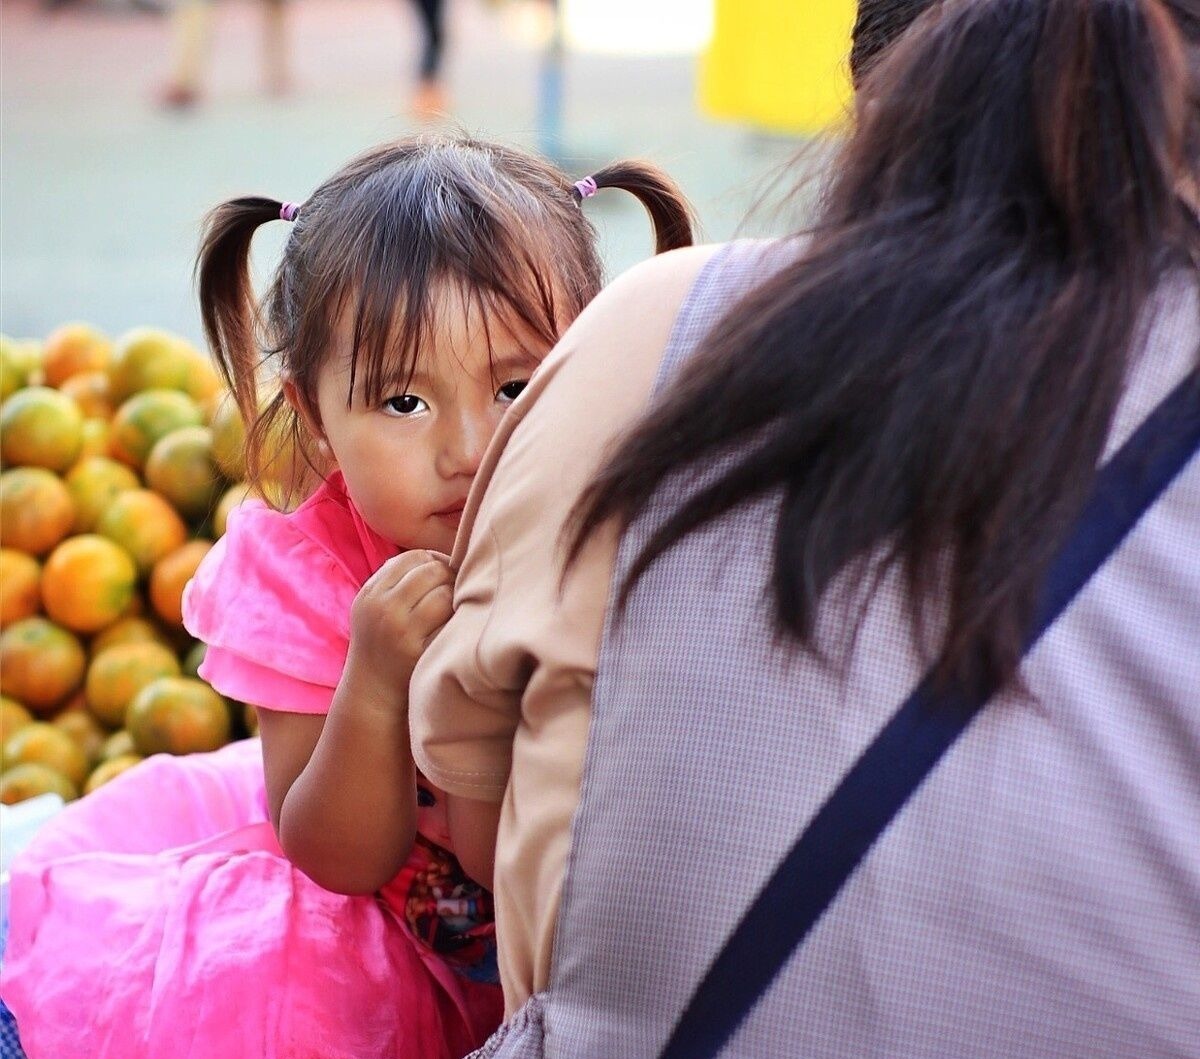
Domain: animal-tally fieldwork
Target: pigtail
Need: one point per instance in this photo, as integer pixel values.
(670, 212)
(228, 307)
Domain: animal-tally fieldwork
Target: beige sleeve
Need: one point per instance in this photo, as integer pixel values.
(515, 640)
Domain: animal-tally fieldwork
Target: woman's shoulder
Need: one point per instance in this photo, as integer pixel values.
(652, 279)
(646, 300)
(627, 326)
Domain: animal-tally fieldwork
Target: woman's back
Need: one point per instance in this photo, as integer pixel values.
(1038, 896)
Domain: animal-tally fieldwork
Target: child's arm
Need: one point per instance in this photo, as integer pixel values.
(342, 788)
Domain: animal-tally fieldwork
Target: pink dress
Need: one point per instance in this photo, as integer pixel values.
(158, 919)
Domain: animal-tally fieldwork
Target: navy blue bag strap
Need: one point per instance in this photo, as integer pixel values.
(892, 768)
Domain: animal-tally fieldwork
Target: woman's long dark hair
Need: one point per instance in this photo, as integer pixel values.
(934, 379)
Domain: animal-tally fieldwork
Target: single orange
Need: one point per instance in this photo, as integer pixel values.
(72, 349)
(40, 427)
(36, 511)
(43, 744)
(92, 391)
(145, 418)
(144, 524)
(117, 674)
(147, 358)
(171, 575)
(130, 629)
(92, 483)
(181, 467)
(178, 715)
(110, 770)
(20, 592)
(88, 582)
(22, 782)
(41, 663)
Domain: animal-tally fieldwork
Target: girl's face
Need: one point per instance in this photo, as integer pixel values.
(409, 459)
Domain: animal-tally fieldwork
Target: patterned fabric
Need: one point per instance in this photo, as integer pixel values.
(1039, 896)
(519, 1038)
(10, 1043)
(447, 910)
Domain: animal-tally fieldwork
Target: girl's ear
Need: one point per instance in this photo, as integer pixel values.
(308, 416)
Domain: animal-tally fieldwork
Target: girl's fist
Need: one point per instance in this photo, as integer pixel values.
(399, 610)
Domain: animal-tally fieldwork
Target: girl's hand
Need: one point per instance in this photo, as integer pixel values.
(397, 612)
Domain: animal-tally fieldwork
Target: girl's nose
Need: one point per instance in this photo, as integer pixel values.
(462, 448)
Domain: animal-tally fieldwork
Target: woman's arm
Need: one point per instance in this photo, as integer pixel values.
(342, 788)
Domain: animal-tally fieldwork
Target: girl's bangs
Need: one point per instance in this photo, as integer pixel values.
(393, 308)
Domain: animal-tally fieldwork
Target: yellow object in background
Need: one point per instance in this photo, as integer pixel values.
(780, 64)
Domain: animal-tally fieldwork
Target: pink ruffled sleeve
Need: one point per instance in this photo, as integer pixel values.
(273, 606)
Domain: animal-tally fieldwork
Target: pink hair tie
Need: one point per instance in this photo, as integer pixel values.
(586, 187)
(289, 211)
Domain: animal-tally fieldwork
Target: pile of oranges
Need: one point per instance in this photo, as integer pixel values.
(120, 463)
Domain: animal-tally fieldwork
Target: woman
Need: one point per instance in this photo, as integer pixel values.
(861, 477)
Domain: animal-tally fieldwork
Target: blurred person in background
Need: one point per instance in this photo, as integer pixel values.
(880, 629)
(191, 29)
(430, 99)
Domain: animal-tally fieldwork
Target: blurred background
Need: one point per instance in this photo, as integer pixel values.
(123, 121)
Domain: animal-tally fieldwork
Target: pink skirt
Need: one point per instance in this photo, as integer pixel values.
(158, 919)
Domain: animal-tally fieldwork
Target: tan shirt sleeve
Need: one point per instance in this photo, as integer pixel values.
(515, 632)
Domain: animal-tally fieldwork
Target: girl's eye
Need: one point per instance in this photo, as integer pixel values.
(510, 391)
(404, 405)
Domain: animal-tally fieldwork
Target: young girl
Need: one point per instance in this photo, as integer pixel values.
(187, 909)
